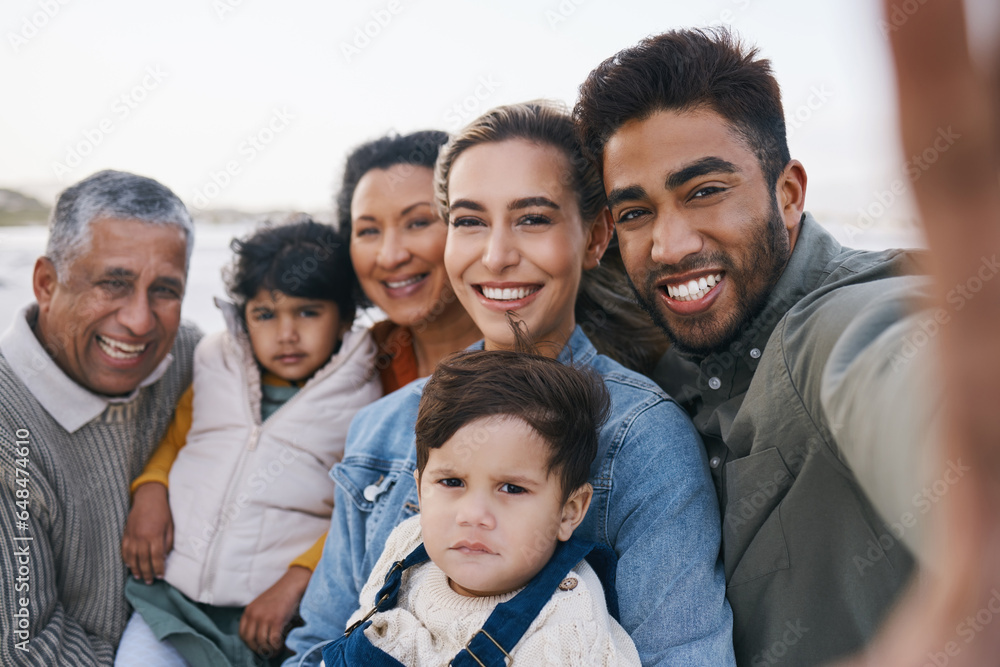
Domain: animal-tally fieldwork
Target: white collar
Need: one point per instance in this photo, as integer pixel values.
(69, 404)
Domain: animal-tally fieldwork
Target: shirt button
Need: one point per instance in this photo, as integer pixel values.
(714, 383)
(755, 353)
(568, 584)
(714, 461)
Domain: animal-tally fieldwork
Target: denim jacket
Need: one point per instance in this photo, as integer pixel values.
(653, 503)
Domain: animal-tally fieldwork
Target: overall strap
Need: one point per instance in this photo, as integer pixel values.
(491, 646)
(388, 595)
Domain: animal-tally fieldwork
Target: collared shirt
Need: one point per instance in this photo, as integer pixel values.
(653, 504)
(70, 404)
(812, 567)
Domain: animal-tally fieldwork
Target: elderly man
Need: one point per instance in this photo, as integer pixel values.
(806, 366)
(89, 376)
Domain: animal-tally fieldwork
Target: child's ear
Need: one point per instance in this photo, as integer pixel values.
(573, 511)
(416, 478)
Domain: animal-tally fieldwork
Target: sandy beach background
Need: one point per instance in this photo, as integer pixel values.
(21, 246)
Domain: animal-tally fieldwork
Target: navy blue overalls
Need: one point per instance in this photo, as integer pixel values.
(490, 646)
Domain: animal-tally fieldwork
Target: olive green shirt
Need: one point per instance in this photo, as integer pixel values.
(818, 422)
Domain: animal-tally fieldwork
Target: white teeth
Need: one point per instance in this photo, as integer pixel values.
(508, 293)
(693, 289)
(118, 349)
(404, 283)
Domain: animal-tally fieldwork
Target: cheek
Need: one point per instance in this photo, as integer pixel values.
(455, 258)
(362, 257)
(430, 245)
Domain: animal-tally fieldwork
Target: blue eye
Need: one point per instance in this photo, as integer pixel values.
(367, 231)
(451, 482)
(419, 223)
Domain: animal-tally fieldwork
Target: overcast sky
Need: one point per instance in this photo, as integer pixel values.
(254, 103)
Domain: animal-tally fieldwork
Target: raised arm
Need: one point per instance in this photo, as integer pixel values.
(959, 200)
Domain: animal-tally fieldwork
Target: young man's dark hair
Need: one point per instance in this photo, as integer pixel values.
(564, 405)
(686, 70)
(301, 257)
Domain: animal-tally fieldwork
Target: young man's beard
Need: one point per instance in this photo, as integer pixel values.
(761, 268)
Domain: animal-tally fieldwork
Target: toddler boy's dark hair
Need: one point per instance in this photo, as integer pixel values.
(301, 258)
(566, 406)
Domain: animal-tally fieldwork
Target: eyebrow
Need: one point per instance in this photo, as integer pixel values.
(702, 167)
(467, 203)
(119, 272)
(444, 471)
(528, 202)
(630, 193)
(410, 208)
(173, 282)
(519, 480)
(405, 211)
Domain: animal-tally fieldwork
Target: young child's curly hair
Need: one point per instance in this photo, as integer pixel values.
(300, 257)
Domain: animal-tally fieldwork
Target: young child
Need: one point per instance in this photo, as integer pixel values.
(254, 438)
(505, 441)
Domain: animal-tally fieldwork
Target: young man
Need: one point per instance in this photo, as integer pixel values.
(89, 377)
(809, 381)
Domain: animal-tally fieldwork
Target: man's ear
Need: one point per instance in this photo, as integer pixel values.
(44, 281)
(791, 196)
(573, 511)
(598, 238)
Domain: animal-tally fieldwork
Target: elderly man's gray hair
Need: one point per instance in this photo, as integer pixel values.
(111, 194)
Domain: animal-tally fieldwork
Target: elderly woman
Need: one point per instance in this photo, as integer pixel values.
(527, 221)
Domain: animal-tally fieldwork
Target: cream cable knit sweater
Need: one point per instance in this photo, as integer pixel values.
(432, 623)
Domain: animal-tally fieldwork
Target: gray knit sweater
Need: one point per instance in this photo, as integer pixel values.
(65, 498)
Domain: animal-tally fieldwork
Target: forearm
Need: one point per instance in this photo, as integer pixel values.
(882, 395)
